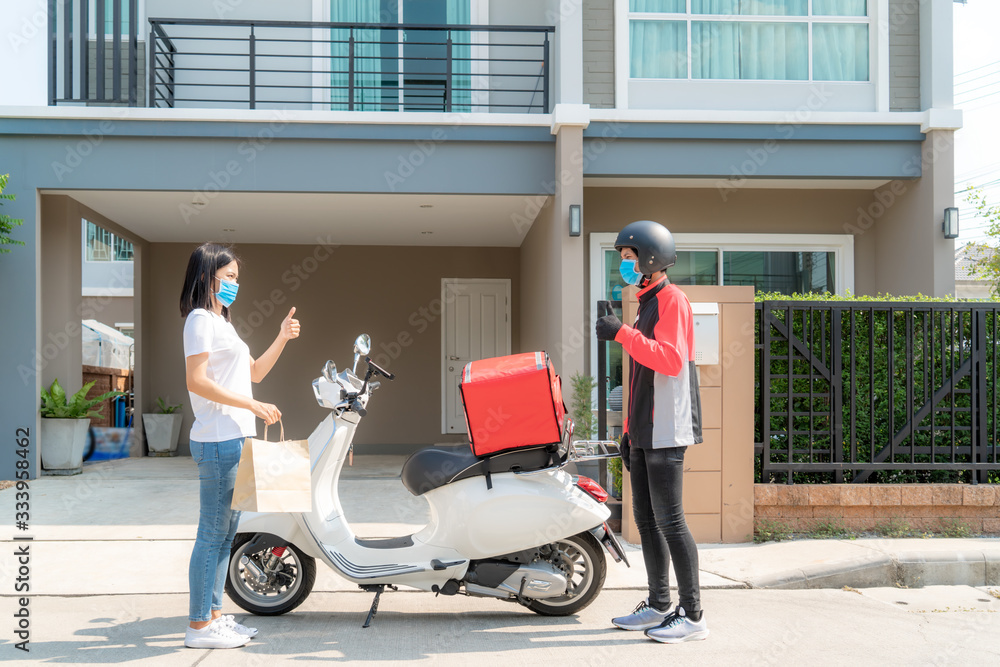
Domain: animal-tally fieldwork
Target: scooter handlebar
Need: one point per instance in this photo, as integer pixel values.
(378, 369)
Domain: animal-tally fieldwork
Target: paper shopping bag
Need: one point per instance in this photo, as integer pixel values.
(273, 476)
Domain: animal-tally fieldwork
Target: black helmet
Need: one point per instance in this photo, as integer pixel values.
(653, 244)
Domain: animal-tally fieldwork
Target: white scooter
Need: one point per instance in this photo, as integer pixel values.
(514, 527)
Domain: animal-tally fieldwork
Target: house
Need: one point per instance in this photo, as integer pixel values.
(969, 285)
(449, 176)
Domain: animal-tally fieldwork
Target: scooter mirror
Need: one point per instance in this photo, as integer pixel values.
(330, 370)
(363, 345)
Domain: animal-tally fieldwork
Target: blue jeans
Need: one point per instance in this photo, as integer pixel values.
(656, 476)
(217, 523)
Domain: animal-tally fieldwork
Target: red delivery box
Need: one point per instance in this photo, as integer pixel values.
(512, 402)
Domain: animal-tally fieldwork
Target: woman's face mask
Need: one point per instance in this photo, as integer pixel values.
(227, 292)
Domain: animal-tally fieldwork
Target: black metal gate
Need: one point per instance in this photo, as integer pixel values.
(876, 391)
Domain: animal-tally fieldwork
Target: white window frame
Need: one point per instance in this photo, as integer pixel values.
(746, 94)
(106, 262)
(842, 245)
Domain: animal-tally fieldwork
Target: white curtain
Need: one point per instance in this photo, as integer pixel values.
(658, 50)
(840, 8)
(762, 51)
(840, 52)
(752, 7)
(673, 6)
(367, 55)
(461, 66)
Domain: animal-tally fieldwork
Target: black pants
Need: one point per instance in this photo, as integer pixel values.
(656, 476)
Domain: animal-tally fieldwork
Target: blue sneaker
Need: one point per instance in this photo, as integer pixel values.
(677, 628)
(642, 617)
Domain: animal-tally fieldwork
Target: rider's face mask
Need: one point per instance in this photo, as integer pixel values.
(629, 273)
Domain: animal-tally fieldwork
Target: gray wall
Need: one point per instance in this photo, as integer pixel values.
(21, 313)
(599, 53)
(392, 293)
(904, 55)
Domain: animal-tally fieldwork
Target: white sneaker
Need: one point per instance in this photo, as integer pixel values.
(230, 621)
(214, 635)
(641, 618)
(677, 627)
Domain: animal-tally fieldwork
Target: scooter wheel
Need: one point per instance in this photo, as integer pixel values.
(289, 580)
(581, 558)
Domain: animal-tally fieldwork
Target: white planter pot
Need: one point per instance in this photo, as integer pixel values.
(162, 433)
(62, 444)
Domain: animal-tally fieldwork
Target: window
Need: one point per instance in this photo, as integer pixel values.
(103, 246)
(762, 40)
(784, 263)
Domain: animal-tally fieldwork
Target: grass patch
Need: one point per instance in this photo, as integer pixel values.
(828, 530)
(767, 530)
(895, 528)
(955, 528)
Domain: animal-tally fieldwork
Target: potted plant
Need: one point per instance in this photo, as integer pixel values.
(163, 428)
(65, 421)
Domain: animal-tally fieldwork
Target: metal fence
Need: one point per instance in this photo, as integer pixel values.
(95, 56)
(349, 66)
(886, 391)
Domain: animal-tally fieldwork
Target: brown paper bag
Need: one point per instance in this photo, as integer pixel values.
(273, 476)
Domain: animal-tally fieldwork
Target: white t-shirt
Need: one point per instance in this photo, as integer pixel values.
(229, 367)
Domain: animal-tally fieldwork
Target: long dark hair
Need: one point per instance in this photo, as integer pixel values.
(205, 261)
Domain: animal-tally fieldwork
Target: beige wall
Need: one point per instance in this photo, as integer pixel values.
(108, 309)
(61, 283)
(912, 254)
(704, 210)
(553, 311)
(392, 293)
(63, 306)
(599, 53)
(718, 472)
(898, 245)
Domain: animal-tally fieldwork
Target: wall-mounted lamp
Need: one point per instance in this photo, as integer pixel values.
(950, 224)
(575, 220)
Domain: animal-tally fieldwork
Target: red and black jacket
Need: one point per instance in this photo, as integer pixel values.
(664, 402)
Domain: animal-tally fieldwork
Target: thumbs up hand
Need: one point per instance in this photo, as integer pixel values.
(289, 326)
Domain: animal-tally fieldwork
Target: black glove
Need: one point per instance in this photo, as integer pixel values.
(607, 327)
(625, 447)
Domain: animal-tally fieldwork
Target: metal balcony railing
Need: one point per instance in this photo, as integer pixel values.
(95, 54)
(349, 66)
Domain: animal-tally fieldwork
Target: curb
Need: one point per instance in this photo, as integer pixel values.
(907, 569)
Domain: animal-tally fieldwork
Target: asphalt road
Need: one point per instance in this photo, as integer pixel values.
(954, 625)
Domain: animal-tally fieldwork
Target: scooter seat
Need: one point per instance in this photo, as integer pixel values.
(434, 467)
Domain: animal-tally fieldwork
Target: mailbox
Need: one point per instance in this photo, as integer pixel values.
(706, 333)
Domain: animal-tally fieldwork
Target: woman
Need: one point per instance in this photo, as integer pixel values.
(663, 419)
(219, 371)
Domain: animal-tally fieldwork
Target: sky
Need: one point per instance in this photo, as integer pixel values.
(977, 93)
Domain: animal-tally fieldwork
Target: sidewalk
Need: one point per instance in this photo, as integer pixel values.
(128, 527)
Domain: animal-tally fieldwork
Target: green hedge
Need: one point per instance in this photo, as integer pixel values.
(874, 426)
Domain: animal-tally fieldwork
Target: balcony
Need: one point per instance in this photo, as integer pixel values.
(249, 64)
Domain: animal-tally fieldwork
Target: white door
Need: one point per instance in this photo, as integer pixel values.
(476, 325)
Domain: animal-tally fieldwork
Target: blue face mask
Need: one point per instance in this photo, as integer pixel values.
(227, 292)
(629, 274)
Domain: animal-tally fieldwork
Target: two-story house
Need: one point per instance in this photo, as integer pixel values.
(449, 175)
